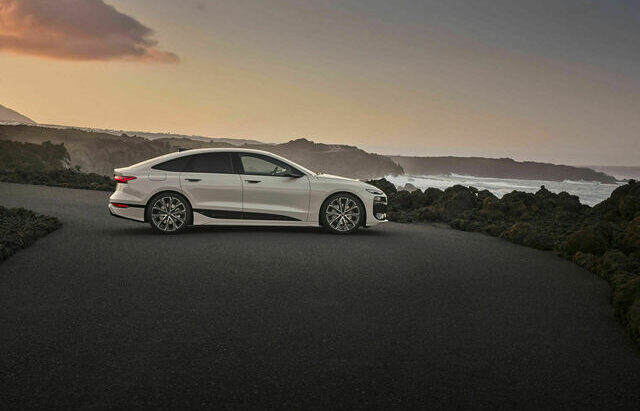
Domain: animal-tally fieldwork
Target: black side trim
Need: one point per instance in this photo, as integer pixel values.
(240, 215)
(220, 214)
(264, 216)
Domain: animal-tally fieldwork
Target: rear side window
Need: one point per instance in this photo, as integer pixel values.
(210, 163)
(177, 164)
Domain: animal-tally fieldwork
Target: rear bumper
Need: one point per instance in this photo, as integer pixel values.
(130, 212)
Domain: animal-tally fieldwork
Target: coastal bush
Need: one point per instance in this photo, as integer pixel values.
(33, 157)
(604, 239)
(59, 178)
(20, 227)
(45, 164)
(586, 240)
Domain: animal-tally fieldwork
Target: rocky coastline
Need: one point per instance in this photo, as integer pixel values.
(604, 239)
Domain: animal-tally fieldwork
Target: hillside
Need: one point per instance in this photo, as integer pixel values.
(619, 172)
(11, 116)
(93, 152)
(342, 160)
(498, 168)
(155, 136)
(32, 157)
(102, 152)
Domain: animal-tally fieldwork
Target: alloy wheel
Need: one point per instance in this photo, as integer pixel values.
(168, 213)
(343, 214)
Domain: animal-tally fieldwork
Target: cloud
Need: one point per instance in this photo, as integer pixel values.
(76, 30)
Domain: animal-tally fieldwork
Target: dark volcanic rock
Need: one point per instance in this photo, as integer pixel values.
(385, 185)
(409, 187)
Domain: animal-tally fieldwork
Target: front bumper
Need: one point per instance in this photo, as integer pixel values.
(380, 208)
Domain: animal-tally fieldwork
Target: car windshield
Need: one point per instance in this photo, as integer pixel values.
(298, 166)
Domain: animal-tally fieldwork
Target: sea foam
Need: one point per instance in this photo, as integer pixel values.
(589, 192)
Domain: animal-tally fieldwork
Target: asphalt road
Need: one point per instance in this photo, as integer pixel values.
(104, 313)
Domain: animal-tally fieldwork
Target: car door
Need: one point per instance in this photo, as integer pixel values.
(272, 189)
(212, 186)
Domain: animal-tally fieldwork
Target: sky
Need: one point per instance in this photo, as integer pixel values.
(543, 80)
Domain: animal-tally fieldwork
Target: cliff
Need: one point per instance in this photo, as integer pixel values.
(498, 168)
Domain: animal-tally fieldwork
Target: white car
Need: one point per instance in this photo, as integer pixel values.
(241, 187)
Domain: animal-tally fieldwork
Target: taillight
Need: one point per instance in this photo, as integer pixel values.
(123, 179)
(119, 205)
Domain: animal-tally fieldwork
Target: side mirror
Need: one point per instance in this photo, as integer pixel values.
(294, 174)
(283, 172)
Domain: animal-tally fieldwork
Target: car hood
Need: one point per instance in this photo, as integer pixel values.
(347, 181)
(332, 177)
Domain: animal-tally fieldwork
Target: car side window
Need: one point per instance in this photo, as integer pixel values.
(263, 166)
(177, 164)
(210, 163)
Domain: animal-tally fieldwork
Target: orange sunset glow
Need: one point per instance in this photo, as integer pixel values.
(410, 77)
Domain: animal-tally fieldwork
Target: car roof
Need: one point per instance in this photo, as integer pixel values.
(224, 149)
(189, 152)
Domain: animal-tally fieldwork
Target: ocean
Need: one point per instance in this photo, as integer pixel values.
(589, 192)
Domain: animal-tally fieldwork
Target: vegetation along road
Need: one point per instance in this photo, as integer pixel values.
(104, 313)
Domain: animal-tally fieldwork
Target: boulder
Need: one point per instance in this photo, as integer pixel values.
(457, 199)
(385, 185)
(568, 202)
(409, 187)
(431, 195)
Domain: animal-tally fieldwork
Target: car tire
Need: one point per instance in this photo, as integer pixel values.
(169, 213)
(342, 213)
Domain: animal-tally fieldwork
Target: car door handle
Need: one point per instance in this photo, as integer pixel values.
(194, 180)
(252, 181)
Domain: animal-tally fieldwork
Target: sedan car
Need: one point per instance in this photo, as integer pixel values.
(241, 187)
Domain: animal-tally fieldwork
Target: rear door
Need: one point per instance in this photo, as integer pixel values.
(269, 191)
(212, 185)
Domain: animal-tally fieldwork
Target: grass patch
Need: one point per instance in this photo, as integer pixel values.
(20, 228)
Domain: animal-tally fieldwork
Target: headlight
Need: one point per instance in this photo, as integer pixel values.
(375, 192)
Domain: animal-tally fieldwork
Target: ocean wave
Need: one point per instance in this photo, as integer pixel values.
(589, 192)
(586, 182)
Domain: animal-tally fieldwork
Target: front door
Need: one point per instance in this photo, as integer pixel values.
(269, 190)
(212, 186)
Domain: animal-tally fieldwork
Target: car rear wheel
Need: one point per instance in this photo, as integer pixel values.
(342, 213)
(169, 213)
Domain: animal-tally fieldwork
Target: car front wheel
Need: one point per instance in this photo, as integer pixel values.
(342, 213)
